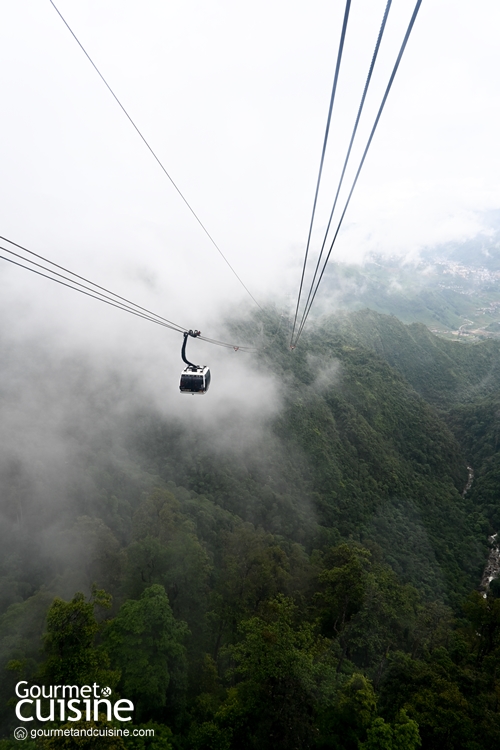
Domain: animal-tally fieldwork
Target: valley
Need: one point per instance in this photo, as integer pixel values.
(454, 290)
(334, 537)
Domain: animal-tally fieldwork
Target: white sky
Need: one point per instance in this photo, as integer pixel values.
(233, 97)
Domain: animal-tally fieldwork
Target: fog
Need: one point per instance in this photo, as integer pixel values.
(73, 416)
(234, 101)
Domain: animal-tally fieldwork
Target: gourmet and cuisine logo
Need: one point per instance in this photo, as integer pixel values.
(69, 703)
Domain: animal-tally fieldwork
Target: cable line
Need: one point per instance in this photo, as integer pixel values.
(95, 294)
(360, 110)
(157, 159)
(325, 141)
(372, 133)
(41, 257)
(39, 273)
(101, 296)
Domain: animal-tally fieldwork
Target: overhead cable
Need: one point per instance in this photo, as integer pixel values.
(325, 141)
(370, 138)
(121, 303)
(62, 268)
(360, 110)
(155, 156)
(88, 294)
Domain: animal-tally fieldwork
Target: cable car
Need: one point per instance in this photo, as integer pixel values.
(195, 379)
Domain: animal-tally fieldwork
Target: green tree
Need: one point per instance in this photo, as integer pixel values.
(69, 642)
(433, 693)
(379, 736)
(285, 671)
(354, 711)
(386, 620)
(403, 735)
(483, 613)
(341, 586)
(252, 568)
(158, 516)
(146, 643)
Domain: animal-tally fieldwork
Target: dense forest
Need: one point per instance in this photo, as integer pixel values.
(312, 583)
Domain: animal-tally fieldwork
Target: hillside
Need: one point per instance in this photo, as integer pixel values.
(442, 372)
(460, 380)
(453, 288)
(338, 534)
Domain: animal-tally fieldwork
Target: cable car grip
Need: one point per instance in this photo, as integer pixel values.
(194, 334)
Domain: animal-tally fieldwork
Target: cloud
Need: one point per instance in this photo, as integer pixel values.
(326, 373)
(240, 132)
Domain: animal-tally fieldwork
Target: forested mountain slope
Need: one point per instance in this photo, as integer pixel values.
(461, 380)
(312, 567)
(443, 372)
(449, 287)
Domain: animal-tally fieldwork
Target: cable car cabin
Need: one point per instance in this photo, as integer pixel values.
(195, 380)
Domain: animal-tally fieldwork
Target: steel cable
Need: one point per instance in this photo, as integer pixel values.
(62, 268)
(155, 156)
(325, 141)
(360, 110)
(119, 302)
(372, 133)
(94, 296)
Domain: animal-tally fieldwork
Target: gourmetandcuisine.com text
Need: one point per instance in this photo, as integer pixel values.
(69, 703)
(94, 732)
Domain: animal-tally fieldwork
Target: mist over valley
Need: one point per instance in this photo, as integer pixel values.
(306, 557)
(342, 463)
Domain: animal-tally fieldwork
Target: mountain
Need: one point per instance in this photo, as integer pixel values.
(442, 372)
(301, 567)
(454, 288)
